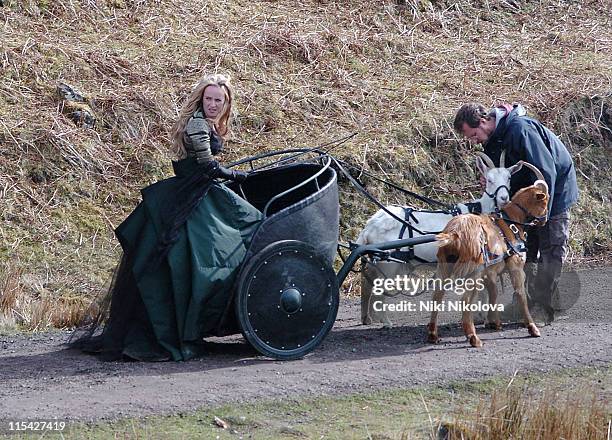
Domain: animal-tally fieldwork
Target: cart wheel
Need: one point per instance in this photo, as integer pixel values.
(286, 299)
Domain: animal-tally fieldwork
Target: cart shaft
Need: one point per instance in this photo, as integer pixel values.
(369, 249)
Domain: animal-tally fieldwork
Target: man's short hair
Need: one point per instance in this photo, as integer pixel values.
(470, 114)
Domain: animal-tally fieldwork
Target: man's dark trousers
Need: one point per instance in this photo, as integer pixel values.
(547, 247)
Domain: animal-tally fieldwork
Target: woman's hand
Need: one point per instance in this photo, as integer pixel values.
(235, 175)
(239, 176)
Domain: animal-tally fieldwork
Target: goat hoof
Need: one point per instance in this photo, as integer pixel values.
(494, 326)
(433, 338)
(387, 324)
(366, 320)
(475, 341)
(534, 332)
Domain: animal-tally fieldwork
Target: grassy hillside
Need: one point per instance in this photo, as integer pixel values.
(395, 71)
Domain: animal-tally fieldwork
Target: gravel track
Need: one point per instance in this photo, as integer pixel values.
(42, 379)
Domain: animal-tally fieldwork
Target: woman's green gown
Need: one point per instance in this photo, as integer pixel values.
(168, 309)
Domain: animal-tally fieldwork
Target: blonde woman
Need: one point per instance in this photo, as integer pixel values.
(203, 124)
(182, 246)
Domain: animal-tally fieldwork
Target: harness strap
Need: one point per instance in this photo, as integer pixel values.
(373, 199)
(406, 224)
(474, 207)
(494, 195)
(515, 242)
(489, 257)
(420, 197)
(517, 245)
(409, 254)
(363, 191)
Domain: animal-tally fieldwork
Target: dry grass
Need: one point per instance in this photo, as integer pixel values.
(514, 414)
(35, 311)
(394, 70)
(9, 294)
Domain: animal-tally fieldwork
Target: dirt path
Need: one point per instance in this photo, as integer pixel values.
(39, 378)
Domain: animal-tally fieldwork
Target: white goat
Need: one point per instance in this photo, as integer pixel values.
(382, 227)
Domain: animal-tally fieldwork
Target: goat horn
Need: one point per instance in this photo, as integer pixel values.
(486, 159)
(535, 170)
(502, 159)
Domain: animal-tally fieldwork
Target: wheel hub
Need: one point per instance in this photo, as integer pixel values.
(291, 300)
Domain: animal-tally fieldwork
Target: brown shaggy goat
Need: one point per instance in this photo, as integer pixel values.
(461, 255)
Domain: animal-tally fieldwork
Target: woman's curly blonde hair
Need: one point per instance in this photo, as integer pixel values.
(194, 101)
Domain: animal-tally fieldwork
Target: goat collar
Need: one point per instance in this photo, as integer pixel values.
(529, 218)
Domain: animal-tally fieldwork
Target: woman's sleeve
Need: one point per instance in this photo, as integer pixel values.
(198, 132)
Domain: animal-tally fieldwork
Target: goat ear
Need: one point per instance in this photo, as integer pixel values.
(515, 168)
(542, 185)
(540, 196)
(481, 166)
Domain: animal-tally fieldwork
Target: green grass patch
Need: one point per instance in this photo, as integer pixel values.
(390, 414)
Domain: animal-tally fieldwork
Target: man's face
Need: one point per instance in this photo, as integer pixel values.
(480, 134)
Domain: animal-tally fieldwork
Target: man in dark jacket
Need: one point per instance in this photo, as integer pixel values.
(508, 128)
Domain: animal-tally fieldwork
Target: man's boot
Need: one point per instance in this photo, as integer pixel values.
(546, 283)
